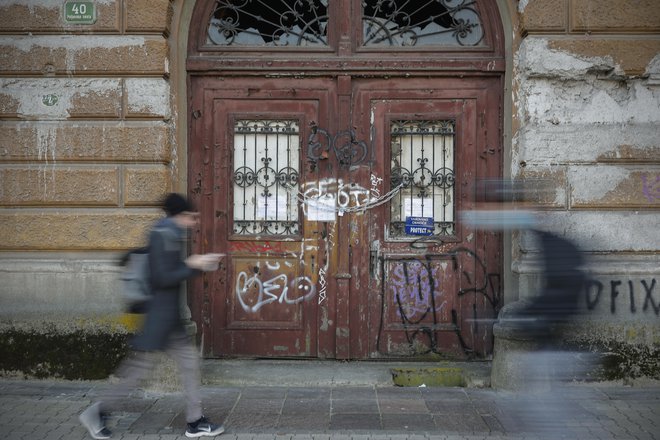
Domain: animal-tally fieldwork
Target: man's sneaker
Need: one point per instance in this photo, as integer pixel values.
(203, 428)
(91, 419)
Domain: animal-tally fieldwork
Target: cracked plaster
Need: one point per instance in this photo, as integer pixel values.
(29, 93)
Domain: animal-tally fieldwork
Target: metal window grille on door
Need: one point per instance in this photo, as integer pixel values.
(266, 171)
(422, 162)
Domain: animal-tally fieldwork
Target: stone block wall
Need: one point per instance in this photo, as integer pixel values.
(86, 149)
(587, 118)
(88, 146)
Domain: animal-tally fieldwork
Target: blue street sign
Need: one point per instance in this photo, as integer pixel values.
(419, 225)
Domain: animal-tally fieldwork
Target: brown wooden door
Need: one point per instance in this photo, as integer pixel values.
(427, 294)
(362, 87)
(265, 299)
(306, 185)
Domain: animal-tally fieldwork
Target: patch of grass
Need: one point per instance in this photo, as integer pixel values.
(432, 377)
(71, 355)
(621, 360)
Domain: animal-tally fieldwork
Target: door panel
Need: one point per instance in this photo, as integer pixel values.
(433, 293)
(264, 301)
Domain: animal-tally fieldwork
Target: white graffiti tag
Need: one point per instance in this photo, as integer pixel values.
(276, 289)
(375, 183)
(324, 285)
(335, 196)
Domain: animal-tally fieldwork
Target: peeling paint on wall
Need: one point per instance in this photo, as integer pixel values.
(29, 94)
(522, 4)
(148, 96)
(536, 59)
(582, 181)
(72, 43)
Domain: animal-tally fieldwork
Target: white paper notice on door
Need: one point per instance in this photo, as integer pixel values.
(417, 207)
(273, 208)
(321, 209)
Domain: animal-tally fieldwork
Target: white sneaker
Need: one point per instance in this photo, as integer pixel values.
(204, 428)
(91, 419)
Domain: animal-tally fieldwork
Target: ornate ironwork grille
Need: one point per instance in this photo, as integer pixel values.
(269, 23)
(421, 23)
(422, 162)
(266, 172)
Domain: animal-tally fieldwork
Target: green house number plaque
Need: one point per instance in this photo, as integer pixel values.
(79, 12)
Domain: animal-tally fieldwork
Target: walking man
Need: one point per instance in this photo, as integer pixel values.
(163, 328)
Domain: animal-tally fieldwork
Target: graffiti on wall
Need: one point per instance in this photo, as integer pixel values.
(416, 288)
(651, 187)
(621, 293)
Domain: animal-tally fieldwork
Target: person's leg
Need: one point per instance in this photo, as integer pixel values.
(131, 371)
(182, 351)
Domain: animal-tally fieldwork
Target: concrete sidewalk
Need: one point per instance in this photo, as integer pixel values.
(359, 410)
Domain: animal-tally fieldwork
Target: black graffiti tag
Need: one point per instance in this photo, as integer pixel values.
(416, 286)
(594, 290)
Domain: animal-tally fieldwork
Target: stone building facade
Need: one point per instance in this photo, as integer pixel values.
(95, 128)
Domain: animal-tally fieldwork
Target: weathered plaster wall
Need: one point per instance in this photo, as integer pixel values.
(86, 149)
(90, 138)
(587, 111)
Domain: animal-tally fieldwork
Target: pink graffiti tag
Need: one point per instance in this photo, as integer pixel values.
(650, 188)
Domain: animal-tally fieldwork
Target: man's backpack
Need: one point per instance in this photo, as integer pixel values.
(135, 285)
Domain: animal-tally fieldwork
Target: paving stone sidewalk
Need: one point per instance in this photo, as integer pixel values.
(48, 410)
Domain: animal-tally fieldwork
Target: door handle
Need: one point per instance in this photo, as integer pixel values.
(374, 257)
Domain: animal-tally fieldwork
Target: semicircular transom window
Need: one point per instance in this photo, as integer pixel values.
(269, 23)
(421, 23)
(385, 23)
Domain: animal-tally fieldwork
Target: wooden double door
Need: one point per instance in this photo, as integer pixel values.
(337, 202)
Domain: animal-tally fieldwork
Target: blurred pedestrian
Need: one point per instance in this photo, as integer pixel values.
(558, 302)
(543, 363)
(163, 328)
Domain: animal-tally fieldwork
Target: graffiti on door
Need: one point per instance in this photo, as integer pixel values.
(259, 289)
(415, 287)
(328, 236)
(321, 200)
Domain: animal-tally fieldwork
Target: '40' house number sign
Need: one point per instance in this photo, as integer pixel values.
(79, 13)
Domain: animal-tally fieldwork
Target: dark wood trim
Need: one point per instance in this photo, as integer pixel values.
(345, 66)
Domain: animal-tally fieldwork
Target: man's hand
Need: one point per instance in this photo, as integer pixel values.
(205, 262)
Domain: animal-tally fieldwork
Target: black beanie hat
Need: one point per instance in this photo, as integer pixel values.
(175, 204)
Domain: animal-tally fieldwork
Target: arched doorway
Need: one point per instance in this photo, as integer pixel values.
(332, 146)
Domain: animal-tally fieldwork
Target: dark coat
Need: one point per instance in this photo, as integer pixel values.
(168, 272)
(564, 278)
(558, 302)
